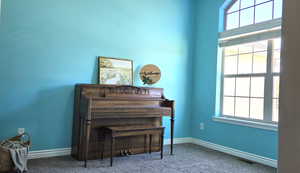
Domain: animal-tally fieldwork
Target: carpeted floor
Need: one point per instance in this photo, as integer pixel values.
(188, 158)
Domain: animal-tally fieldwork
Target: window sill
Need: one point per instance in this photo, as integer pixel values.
(260, 125)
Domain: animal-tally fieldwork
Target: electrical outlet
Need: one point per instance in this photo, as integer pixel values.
(201, 126)
(21, 131)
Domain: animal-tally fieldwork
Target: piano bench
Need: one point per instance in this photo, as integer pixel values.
(122, 131)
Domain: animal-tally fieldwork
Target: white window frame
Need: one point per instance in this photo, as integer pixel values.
(257, 32)
(240, 8)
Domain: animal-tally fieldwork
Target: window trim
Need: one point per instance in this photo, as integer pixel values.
(274, 24)
(250, 38)
(246, 122)
(268, 96)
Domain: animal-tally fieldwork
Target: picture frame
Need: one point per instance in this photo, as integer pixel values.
(115, 71)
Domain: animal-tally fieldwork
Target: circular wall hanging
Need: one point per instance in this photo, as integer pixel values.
(150, 74)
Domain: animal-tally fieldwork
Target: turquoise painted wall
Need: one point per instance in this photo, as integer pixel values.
(48, 46)
(205, 67)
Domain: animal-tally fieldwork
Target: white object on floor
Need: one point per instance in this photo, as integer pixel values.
(18, 153)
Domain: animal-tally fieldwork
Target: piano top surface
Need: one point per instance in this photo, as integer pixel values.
(119, 92)
(112, 86)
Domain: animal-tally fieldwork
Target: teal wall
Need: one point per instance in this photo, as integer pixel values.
(205, 69)
(47, 46)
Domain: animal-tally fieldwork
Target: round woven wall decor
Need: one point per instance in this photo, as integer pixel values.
(150, 74)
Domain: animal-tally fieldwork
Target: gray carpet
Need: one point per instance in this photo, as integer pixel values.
(188, 158)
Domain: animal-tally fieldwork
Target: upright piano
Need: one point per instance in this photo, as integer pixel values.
(98, 106)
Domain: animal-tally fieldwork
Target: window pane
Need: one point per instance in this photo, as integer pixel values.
(230, 65)
(276, 61)
(260, 62)
(260, 1)
(257, 108)
(234, 7)
(275, 110)
(229, 86)
(260, 46)
(247, 3)
(257, 86)
(245, 64)
(276, 87)
(246, 48)
(243, 86)
(277, 43)
(263, 12)
(242, 107)
(228, 106)
(232, 50)
(247, 16)
(232, 21)
(277, 8)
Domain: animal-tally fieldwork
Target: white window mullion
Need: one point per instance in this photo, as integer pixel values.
(274, 115)
(251, 82)
(222, 81)
(268, 85)
(235, 80)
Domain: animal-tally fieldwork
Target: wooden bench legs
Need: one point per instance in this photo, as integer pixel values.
(112, 133)
(161, 144)
(112, 146)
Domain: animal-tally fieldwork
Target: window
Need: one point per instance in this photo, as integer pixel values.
(246, 12)
(251, 60)
(249, 71)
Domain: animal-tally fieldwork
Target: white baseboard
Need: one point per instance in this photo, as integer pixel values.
(237, 153)
(67, 151)
(178, 141)
(227, 150)
(49, 153)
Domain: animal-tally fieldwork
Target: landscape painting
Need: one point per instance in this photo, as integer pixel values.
(115, 71)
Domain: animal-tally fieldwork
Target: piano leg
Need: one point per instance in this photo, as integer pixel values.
(145, 143)
(103, 145)
(162, 145)
(87, 139)
(112, 143)
(172, 133)
(150, 144)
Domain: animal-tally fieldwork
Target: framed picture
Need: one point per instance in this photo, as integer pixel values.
(115, 71)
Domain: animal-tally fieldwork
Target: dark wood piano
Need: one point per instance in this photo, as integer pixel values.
(98, 106)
